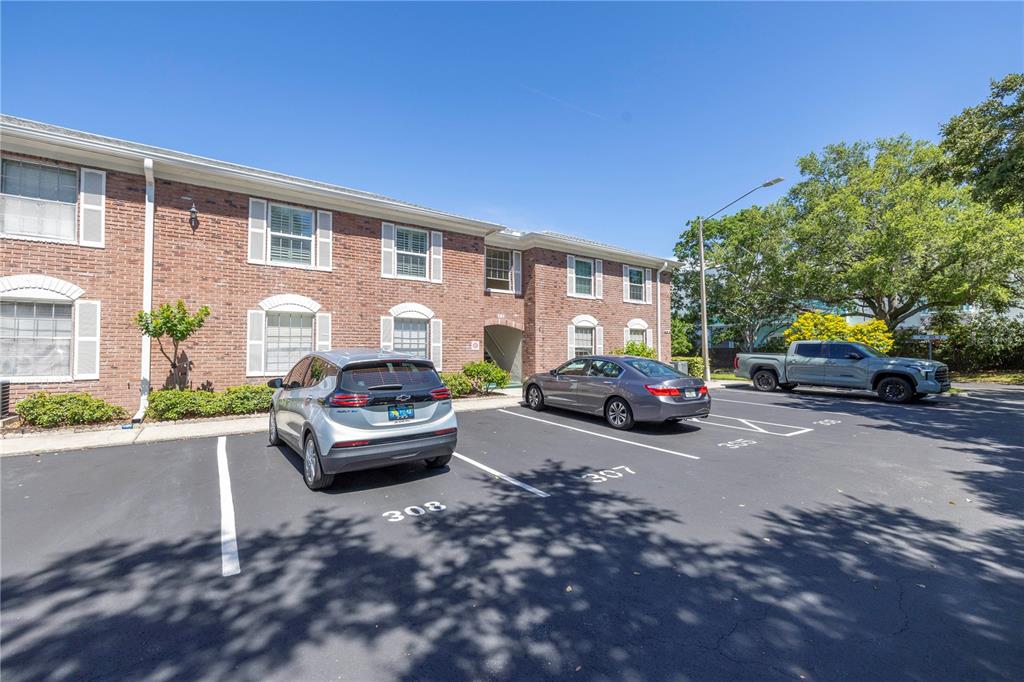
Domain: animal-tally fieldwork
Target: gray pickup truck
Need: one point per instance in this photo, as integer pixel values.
(843, 364)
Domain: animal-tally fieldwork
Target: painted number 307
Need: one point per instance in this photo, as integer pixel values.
(605, 474)
(414, 511)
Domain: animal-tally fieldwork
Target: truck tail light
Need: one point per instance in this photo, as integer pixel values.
(662, 390)
(443, 393)
(349, 400)
(736, 361)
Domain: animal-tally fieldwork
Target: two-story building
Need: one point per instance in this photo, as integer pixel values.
(94, 229)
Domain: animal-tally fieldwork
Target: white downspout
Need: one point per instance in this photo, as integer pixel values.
(147, 288)
(658, 300)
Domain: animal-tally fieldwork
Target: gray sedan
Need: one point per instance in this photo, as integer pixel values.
(622, 388)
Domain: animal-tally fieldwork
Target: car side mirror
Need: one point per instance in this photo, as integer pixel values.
(553, 372)
(854, 356)
(275, 383)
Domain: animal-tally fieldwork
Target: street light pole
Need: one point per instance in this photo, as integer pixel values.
(703, 289)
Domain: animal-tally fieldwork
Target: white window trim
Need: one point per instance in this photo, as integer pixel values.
(584, 321)
(77, 239)
(411, 310)
(643, 287)
(637, 323)
(41, 289)
(426, 255)
(311, 238)
(511, 271)
(593, 278)
(289, 303)
(284, 303)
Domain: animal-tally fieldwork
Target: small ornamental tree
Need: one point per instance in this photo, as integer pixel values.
(176, 323)
(826, 327)
(640, 350)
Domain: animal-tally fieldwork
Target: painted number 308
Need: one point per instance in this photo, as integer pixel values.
(605, 474)
(414, 511)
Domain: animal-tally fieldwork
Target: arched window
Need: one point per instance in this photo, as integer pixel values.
(412, 328)
(639, 331)
(585, 336)
(284, 328)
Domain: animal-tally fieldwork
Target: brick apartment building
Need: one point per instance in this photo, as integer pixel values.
(94, 229)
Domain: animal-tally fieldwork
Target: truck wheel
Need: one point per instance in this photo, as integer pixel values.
(895, 390)
(765, 380)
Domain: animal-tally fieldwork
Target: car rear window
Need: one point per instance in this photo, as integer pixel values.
(399, 375)
(653, 368)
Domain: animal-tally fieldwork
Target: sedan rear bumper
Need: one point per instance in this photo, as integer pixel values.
(663, 409)
(354, 458)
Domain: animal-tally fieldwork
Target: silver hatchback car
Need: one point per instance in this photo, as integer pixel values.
(346, 410)
(624, 389)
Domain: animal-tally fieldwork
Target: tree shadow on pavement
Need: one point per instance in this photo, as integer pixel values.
(590, 581)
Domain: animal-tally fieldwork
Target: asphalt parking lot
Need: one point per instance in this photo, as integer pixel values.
(789, 536)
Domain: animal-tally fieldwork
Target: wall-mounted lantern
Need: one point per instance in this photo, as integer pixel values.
(193, 218)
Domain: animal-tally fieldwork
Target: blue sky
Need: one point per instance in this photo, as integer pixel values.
(617, 122)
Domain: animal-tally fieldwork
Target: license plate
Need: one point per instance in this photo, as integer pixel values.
(397, 413)
(690, 392)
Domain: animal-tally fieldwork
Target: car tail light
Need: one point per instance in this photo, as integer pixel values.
(351, 443)
(444, 432)
(443, 393)
(662, 390)
(349, 400)
(736, 361)
(703, 390)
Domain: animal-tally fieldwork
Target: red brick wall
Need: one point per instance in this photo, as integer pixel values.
(112, 275)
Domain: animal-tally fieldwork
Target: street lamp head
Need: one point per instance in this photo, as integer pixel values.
(772, 182)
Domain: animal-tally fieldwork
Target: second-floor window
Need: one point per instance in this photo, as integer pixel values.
(291, 235)
(498, 264)
(584, 277)
(411, 247)
(635, 277)
(38, 201)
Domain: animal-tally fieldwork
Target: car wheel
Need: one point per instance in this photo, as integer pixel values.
(765, 380)
(312, 473)
(618, 414)
(275, 438)
(438, 462)
(895, 390)
(535, 398)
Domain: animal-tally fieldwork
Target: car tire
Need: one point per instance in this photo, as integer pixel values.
(618, 414)
(273, 436)
(895, 390)
(312, 473)
(438, 462)
(535, 398)
(765, 381)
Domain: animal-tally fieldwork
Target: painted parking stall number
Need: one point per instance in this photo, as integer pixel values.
(607, 474)
(414, 511)
(738, 443)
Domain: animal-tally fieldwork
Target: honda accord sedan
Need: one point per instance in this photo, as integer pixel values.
(346, 410)
(623, 389)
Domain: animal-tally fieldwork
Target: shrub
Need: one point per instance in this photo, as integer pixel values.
(248, 399)
(66, 409)
(872, 333)
(988, 341)
(457, 382)
(485, 376)
(827, 327)
(636, 348)
(696, 364)
(175, 403)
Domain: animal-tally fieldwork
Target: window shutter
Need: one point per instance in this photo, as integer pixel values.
(649, 338)
(323, 331)
(599, 340)
(387, 332)
(93, 189)
(625, 336)
(324, 239)
(647, 286)
(436, 242)
(598, 278)
(87, 339)
(387, 250)
(572, 340)
(435, 343)
(625, 283)
(254, 343)
(570, 276)
(517, 272)
(257, 230)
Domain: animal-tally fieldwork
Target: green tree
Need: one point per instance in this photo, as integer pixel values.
(874, 234)
(681, 330)
(176, 323)
(984, 146)
(749, 275)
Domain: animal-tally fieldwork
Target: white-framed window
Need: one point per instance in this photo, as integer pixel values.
(291, 235)
(584, 277)
(38, 201)
(634, 284)
(638, 335)
(35, 339)
(411, 336)
(411, 248)
(498, 270)
(289, 336)
(584, 343)
(585, 336)
(412, 328)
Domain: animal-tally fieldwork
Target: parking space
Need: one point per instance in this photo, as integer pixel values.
(787, 536)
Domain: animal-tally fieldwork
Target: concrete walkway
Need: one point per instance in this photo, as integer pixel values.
(59, 440)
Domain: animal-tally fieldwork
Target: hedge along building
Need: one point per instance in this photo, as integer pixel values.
(94, 229)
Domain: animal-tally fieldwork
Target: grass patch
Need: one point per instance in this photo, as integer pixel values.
(1004, 376)
(727, 376)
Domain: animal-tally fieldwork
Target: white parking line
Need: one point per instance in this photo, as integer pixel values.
(784, 407)
(229, 564)
(504, 477)
(601, 435)
(754, 425)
